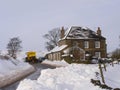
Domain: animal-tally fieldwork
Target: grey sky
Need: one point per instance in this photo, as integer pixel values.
(31, 19)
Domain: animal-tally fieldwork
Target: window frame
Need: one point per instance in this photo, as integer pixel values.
(98, 54)
(97, 44)
(86, 44)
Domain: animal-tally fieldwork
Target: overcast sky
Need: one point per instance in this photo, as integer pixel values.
(31, 19)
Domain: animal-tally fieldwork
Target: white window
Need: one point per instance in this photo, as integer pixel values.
(98, 54)
(97, 44)
(86, 44)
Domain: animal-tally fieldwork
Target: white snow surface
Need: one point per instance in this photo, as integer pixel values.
(56, 63)
(58, 48)
(12, 70)
(71, 77)
(112, 76)
(7, 66)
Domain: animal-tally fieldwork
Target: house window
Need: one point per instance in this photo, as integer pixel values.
(98, 54)
(86, 44)
(97, 44)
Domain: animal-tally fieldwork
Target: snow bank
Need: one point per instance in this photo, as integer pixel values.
(55, 63)
(13, 70)
(21, 55)
(71, 77)
(112, 76)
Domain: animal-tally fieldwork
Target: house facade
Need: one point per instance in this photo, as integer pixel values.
(79, 43)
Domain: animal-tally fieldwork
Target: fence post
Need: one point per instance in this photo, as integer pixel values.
(101, 72)
(105, 67)
(112, 64)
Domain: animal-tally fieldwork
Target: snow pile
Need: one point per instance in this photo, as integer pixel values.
(12, 70)
(56, 63)
(21, 55)
(71, 77)
(112, 76)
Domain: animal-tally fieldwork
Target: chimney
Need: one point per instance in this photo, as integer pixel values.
(62, 32)
(99, 31)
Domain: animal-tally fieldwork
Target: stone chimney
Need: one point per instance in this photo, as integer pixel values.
(62, 32)
(99, 31)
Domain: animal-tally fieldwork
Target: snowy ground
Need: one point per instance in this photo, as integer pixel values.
(65, 77)
(71, 77)
(12, 70)
(56, 63)
(33, 76)
(112, 76)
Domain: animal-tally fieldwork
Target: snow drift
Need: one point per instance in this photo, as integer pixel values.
(13, 70)
(71, 77)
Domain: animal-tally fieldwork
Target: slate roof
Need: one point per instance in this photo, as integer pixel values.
(76, 32)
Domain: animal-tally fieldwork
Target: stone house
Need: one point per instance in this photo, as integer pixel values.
(79, 43)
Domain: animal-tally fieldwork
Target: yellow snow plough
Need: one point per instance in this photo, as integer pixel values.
(31, 57)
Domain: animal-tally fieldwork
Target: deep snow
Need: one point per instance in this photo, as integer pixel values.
(57, 63)
(12, 70)
(66, 77)
(71, 77)
(112, 76)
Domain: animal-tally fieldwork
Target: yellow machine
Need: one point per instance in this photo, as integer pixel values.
(31, 57)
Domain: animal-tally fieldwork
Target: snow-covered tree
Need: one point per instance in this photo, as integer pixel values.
(14, 46)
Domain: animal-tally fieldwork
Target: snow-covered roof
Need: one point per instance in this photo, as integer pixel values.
(76, 32)
(58, 48)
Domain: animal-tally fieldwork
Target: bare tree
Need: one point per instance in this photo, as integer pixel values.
(52, 38)
(14, 46)
(116, 54)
